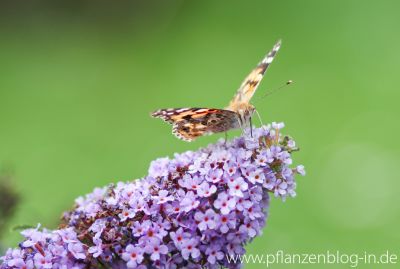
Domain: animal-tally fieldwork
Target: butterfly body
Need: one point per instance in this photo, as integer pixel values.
(190, 123)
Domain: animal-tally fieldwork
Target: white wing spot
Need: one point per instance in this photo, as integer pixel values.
(269, 60)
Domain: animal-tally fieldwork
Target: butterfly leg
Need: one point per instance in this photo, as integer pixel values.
(259, 118)
(241, 127)
(226, 138)
(251, 127)
(262, 125)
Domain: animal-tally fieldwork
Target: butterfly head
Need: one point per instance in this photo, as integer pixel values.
(245, 113)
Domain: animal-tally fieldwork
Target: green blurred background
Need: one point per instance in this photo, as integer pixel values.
(79, 78)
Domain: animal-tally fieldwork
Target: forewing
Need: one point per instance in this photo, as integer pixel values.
(250, 84)
(190, 123)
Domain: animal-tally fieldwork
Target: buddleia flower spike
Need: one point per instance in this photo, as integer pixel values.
(195, 210)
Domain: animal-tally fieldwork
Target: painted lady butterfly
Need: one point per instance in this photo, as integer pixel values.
(190, 123)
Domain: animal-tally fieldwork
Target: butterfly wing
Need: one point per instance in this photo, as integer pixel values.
(190, 123)
(250, 84)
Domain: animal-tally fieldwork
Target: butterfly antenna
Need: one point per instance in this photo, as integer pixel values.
(274, 90)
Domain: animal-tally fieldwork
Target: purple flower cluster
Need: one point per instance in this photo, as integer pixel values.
(189, 212)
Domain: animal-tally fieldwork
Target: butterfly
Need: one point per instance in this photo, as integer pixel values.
(191, 123)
